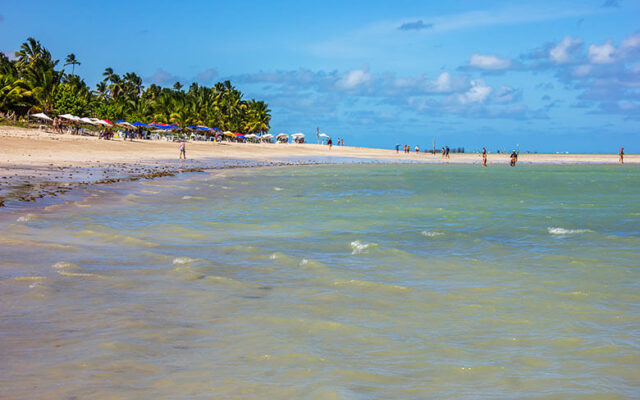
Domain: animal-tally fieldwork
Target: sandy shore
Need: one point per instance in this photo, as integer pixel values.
(35, 164)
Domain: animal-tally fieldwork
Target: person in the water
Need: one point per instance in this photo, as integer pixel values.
(514, 158)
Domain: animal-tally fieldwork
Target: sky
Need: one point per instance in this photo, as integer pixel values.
(547, 76)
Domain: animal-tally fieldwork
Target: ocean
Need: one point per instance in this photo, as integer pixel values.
(400, 281)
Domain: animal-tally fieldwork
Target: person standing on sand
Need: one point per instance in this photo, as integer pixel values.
(621, 160)
(514, 158)
(330, 143)
(417, 149)
(484, 157)
(183, 152)
(397, 148)
(447, 153)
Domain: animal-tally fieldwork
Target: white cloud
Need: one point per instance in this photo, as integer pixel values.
(582, 70)
(632, 42)
(563, 51)
(354, 78)
(162, 78)
(477, 94)
(443, 83)
(602, 54)
(488, 62)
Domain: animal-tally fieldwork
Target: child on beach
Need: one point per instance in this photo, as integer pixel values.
(183, 154)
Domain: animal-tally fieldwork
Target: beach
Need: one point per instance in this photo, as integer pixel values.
(36, 164)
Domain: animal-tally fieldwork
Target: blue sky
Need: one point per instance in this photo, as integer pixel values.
(545, 75)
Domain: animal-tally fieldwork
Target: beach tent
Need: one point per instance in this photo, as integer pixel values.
(42, 116)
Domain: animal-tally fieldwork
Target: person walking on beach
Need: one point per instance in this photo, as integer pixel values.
(183, 152)
(621, 160)
(447, 152)
(484, 157)
(330, 143)
(417, 149)
(514, 158)
(397, 148)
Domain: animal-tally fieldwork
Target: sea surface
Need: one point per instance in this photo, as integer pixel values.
(328, 282)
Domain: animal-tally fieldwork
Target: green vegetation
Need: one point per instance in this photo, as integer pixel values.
(31, 83)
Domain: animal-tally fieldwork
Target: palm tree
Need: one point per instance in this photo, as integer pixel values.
(71, 60)
(108, 73)
(13, 92)
(29, 51)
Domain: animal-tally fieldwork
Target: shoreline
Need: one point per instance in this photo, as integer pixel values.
(36, 165)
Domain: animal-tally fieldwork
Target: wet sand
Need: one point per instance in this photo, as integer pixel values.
(35, 164)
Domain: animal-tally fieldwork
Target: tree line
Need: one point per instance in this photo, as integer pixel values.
(32, 82)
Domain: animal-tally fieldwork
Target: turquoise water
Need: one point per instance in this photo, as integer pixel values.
(329, 282)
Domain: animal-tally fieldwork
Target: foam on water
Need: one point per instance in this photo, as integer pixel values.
(26, 218)
(358, 247)
(563, 231)
(431, 234)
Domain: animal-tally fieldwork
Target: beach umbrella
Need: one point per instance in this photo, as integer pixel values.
(323, 135)
(123, 123)
(87, 121)
(282, 135)
(267, 136)
(42, 116)
(142, 124)
(298, 135)
(69, 117)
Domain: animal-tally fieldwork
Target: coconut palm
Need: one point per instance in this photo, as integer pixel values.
(71, 60)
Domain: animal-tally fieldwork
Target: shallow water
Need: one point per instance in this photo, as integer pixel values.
(329, 282)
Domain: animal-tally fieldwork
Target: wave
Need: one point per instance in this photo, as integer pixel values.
(358, 247)
(66, 266)
(431, 233)
(26, 218)
(562, 231)
(183, 260)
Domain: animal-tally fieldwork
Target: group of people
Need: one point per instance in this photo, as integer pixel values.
(72, 126)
